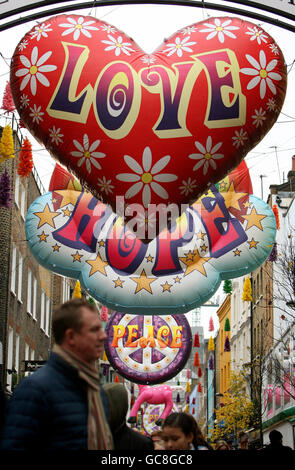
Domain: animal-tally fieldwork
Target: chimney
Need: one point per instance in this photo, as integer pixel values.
(293, 163)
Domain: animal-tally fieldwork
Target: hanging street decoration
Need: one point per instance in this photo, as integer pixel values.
(225, 234)
(5, 190)
(7, 102)
(247, 291)
(25, 164)
(125, 122)
(148, 349)
(151, 415)
(6, 144)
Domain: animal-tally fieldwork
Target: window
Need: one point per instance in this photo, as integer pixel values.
(16, 190)
(29, 292)
(47, 322)
(27, 356)
(16, 362)
(32, 355)
(35, 299)
(42, 320)
(20, 278)
(9, 358)
(13, 269)
(22, 201)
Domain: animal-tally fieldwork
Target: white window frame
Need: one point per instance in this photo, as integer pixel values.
(16, 190)
(13, 270)
(29, 292)
(47, 316)
(17, 343)
(23, 201)
(42, 310)
(27, 356)
(20, 278)
(34, 298)
(9, 357)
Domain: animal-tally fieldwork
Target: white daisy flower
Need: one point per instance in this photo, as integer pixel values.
(258, 117)
(271, 105)
(77, 27)
(148, 59)
(118, 45)
(41, 31)
(274, 48)
(262, 74)
(188, 186)
(239, 138)
(23, 45)
(105, 185)
(87, 154)
(146, 219)
(108, 28)
(257, 34)
(207, 156)
(179, 46)
(55, 135)
(147, 177)
(189, 30)
(33, 70)
(24, 101)
(36, 114)
(221, 29)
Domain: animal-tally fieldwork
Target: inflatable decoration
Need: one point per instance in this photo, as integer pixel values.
(155, 396)
(148, 349)
(142, 130)
(151, 414)
(73, 234)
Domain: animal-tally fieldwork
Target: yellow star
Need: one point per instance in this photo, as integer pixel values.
(46, 217)
(166, 287)
(237, 252)
(68, 197)
(253, 219)
(43, 237)
(203, 247)
(149, 258)
(118, 283)
(196, 264)
(66, 212)
(101, 243)
(56, 247)
(247, 204)
(77, 257)
(201, 235)
(231, 198)
(71, 186)
(177, 280)
(253, 243)
(143, 282)
(222, 186)
(97, 265)
(190, 255)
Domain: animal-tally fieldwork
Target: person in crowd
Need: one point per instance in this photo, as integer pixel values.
(243, 441)
(221, 445)
(124, 437)
(157, 438)
(181, 432)
(276, 442)
(62, 406)
(3, 405)
(229, 442)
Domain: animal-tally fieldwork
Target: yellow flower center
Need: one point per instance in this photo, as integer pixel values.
(178, 46)
(207, 156)
(87, 154)
(33, 70)
(40, 30)
(119, 44)
(78, 26)
(219, 28)
(257, 34)
(263, 73)
(147, 178)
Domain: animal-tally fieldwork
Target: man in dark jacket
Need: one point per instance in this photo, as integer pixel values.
(62, 405)
(276, 442)
(124, 437)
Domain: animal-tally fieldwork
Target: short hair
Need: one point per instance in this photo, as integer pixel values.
(275, 436)
(68, 315)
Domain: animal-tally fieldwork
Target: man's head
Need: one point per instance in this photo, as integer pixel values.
(275, 437)
(76, 327)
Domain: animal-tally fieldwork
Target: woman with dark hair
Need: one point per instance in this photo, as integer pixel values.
(181, 432)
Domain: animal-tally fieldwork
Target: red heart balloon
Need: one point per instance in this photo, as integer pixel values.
(158, 128)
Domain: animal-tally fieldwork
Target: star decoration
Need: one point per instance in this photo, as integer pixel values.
(118, 282)
(231, 198)
(77, 257)
(43, 237)
(56, 247)
(68, 197)
(237, 252)
(254, 219)
(189, 255)
(46, 217)
(66, 212)
(143, 282)
(97, 265)
(149, 258)
(253, 244)
(101, 243)
(222, 186)
(247, 204)
(177, 280)
(196, 264)
(201, 235)
(203, 247)
(166, 287)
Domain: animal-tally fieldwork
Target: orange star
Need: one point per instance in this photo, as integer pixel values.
(203, 247)
(254, 219)
(56, 247)
(77, 257)
(253, 244)
(201, 235)
(66, 212)
(247, 204)
(101, 243)
(196, 264)
(237, 252)
(68, 197)
(43, 237)
(166, 287)
(231, 198)
(46, 217)
(149, 258)
(97, 265)
(118, 282)
(177, 280)
(143, 282)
